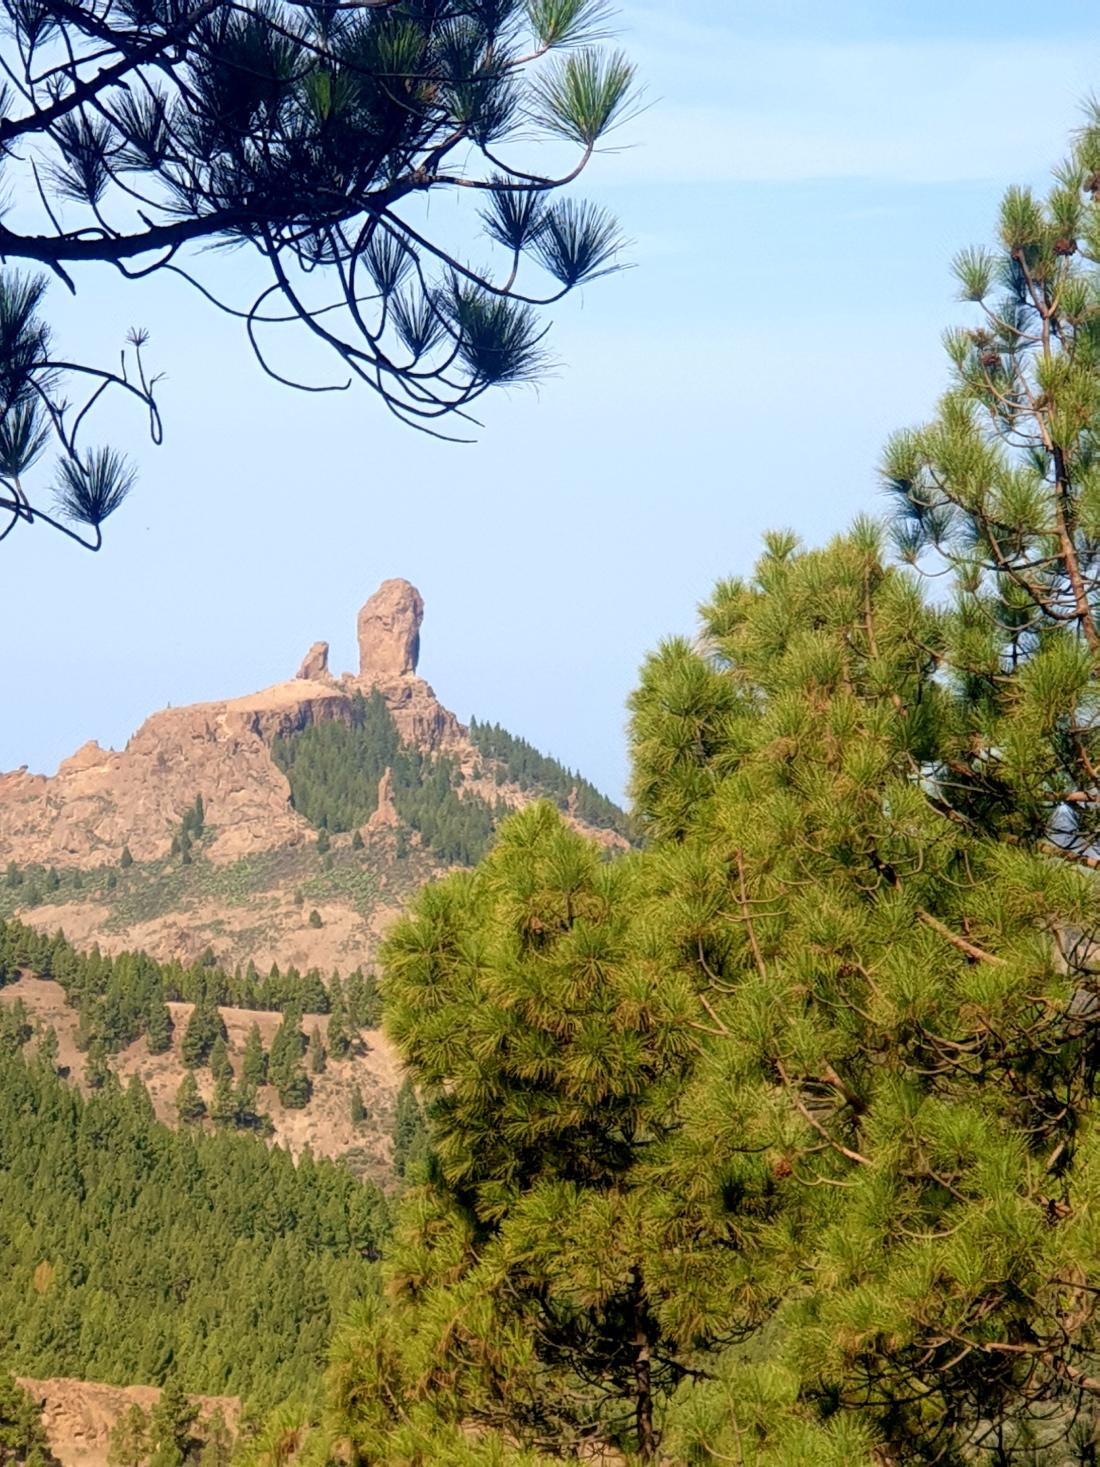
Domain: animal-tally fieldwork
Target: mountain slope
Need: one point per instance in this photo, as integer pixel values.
(280, 863)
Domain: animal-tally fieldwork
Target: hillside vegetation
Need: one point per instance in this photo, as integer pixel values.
(133, 1252)
(334, 769)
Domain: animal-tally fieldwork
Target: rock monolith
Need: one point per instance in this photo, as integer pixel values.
(389, 632)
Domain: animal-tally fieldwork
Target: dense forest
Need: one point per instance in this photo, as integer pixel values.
(132, 1252)
(334, 770)
(518, 762)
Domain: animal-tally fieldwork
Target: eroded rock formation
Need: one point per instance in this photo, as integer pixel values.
(389, 632)
(314, 666)
(101, 800)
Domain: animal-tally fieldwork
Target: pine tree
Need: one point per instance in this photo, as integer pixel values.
(204, 1028)
(254, 1059)
(23, 1440)
(96, 1070)
(220, 1064)
(525, 965)
(223, 1104)
(358, 1111)
(246, 1112)
(363, 1000)
(408, 1127)
(126, 860)
(284, 1066)
(190, 1106)
(339, 1038)
(316, 1052)
(158, 1025)
(814, 1071)
(217, 1447)
(128, 1444)
(172, 1427)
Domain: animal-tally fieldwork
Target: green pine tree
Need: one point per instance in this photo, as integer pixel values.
(316, 1052)
(254, 1059)
(538, 1148)
(204, 1028)
(217, 1447)
(284, 1066)
(223, 1104)
(172, 1420)
(220, 1064)
(128, 1444)
(23, 1440)
(158, 1026)
(96, 1070)
(190, 1106)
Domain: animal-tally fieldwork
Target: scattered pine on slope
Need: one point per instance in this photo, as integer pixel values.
(121, 998)
(334, 769)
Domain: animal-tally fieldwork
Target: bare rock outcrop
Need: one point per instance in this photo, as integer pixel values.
(101, 800)
(314, 666)
(385, 816)
(78, 1415)
(389, 632)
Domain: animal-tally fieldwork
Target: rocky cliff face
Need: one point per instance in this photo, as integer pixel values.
(101, 800)
(258, 888)
(389, 633)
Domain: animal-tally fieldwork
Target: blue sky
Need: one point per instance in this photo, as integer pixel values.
(795, 189)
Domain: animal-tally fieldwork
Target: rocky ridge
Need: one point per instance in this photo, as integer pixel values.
(101, 800)
(257, 890)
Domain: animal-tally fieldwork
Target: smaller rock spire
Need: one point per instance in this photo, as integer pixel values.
(314, 666)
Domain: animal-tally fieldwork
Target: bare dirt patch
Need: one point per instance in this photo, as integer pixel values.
(324, 1125)
(79, 1415)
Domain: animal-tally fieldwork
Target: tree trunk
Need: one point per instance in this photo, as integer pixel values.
(643, 1376)
(1065, 527)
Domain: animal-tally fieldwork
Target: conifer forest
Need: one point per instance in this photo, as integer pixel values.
(755, 1121)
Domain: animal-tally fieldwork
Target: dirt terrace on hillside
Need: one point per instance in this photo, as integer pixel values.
(324, 1125)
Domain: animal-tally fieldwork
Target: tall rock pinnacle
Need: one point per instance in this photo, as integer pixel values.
(389, 632)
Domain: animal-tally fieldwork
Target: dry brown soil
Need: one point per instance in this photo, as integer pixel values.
(78, 1415)
(325, 1123)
